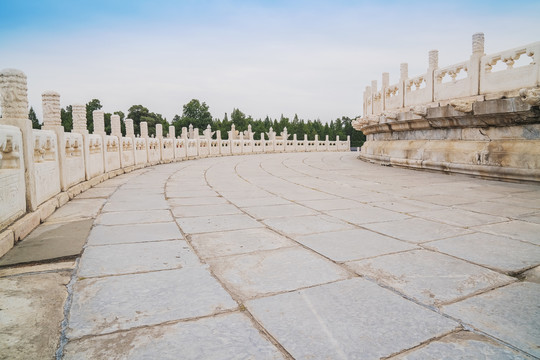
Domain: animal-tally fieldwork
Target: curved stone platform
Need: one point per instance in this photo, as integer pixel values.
(304, 255)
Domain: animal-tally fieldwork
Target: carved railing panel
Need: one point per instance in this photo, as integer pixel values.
(46, 165)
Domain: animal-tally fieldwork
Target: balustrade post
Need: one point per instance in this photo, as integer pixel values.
(14, 102)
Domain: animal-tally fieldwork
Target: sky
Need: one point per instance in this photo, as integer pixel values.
(267, 58)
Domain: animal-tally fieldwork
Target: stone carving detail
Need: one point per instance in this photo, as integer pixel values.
(10, 157)
(115, 125)
(462, 105)
(44, 146)
(478, 43)
(391, 115)
(433, 59)
(129, 127)
(13, 94)
(112, 144)
(419, 110)
(208, 133)
(51, 108)
(144, 129)
(95, 145)
(530, 96)
(99, 122)
(79, 118)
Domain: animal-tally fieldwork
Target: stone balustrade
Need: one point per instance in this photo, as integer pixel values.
(475, 79)
(42, 169)
(480, 116)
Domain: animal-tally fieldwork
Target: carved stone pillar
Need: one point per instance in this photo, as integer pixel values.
(159, 131)
(14, 103)
(172, 132)
(51, 109)
(129, 128)
(144, 129)
(116, 127)
(79, 118)
(99, 122)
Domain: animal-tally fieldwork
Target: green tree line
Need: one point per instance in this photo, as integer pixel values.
(198, 114)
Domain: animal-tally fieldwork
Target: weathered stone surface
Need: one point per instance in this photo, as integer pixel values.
(259, 201)
(174, 202)
(134, 217)
(367, 214)
(257, 274)
(134, 204)
(104, 305)
(50, 241)
(96, 192)
(77, 210)
(416, 230)
(270, 211)
(496, 252)
(352, 244)
(227, 336)
(303, 225)
(203, 224)
(32, 309)
(205, 210)
(143, 257)
(508, 313)
(462, 345)
(25, 225)
(7, 240)
(429, 277)
(519, 230)
(343, 320)
(458, 217)
(236, 242)
(331, 204)
(118, 234)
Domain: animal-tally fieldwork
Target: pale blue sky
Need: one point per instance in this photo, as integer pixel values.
(313, 58)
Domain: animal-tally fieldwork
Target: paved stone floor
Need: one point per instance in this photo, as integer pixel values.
(304, 256)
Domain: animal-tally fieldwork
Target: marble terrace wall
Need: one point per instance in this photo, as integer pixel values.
(40, 170)
(480, 116)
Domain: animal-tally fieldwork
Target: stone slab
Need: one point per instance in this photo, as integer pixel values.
(273, 271)
(344, 320)
(458, 217)
(331, 204)
(153, 203)
(118, 234)
(236, 242)
(227, 336)
(141, 257)
(367, 214)
(508, 313)
(180, 193)
(134, 217)
(205, 210)
(270, 211)
(496, 252)
(259, 201)
(49, 267)
(104, 305)
(50, 241)
(77, 210)
(406, 205)
(519, 230)
(532, 275)
(303, 225)
(204, 224)
(498, 209)
(463, 345)
(95, 192)
(32, 309)
(197, 201)
(429, 277)
(352, 244)
(416, 230)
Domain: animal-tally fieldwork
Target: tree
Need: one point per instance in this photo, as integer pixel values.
(194, 113)
(32, 116)
(239, 120)
(94, 104)
(66, 115)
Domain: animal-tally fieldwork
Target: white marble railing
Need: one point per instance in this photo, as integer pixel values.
(478, 78)
(36, 166)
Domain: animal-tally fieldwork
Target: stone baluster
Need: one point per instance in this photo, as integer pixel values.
(130, 131)
(434, 59)
(473, 72)
(384, 86)
(79, 119)
(172, 132)
(51, 109)
(159, 131)
(116, 127)
(144, 129)
(99, 122)
(14, 102)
